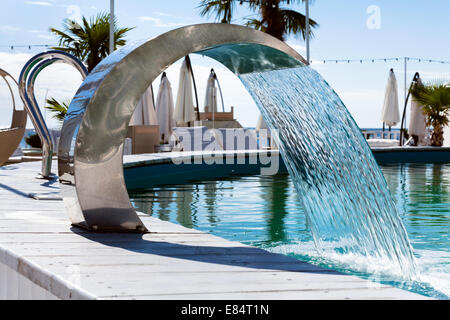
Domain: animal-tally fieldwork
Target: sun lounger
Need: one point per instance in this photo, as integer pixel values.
(10, 137)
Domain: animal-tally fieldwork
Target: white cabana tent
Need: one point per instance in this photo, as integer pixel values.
(417, 125)
(184, 107)
(164, 109)
(390, 114)
(145, 113)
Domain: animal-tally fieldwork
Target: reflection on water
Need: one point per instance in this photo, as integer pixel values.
(255, 209)
(264, 211)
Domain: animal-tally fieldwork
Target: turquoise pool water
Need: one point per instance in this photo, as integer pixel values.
(264, 211)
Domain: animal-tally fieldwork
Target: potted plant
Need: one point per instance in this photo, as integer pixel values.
(34, 141)
(435, 98)
(163, 145)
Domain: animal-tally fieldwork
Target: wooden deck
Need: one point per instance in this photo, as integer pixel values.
(171, 262)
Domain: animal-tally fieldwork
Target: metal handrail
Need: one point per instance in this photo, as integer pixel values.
(26, 81)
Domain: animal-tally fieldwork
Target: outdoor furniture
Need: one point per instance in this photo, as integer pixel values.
(10, 137)
(207, 115)
(143, 138)
(382, 142)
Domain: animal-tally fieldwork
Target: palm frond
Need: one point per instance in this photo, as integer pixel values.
(59, 109)
(435, 99)
(223, 9)
(256, 24)
(89, 41)
(295, 23)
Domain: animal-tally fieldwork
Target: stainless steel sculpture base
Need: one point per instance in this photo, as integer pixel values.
(95, 127)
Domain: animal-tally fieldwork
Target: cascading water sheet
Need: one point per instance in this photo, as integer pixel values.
(344, 194)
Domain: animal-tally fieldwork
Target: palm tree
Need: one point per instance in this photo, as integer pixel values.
(59, 109)
(90, 41)
(273, 19)
(435, 99)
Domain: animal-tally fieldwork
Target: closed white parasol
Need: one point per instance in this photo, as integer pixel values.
(164, 109)
(184, 107)
(211, 93)
(417, 125)
(390, 114)
(260, 124)
(145, 113)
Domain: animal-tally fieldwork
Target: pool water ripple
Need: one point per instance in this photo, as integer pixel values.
(264, 211)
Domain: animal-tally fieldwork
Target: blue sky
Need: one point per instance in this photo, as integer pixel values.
(405, 28)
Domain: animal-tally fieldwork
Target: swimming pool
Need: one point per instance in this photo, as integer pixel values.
(264, 211)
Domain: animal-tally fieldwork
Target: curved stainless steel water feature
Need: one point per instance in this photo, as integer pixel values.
(27, 78)
(95, 127)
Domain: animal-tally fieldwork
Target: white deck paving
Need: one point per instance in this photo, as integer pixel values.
(170, 262)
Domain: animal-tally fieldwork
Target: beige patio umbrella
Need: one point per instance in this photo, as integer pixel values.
(145, 113)
(211, 93)
(184, 107)
(164, 109)
(390, 114)
(260, 124)
(417, 125)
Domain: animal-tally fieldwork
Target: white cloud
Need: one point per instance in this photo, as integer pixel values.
(162, 14)
(7, 28)
(40, 3)
(157, 22)
(45, 36)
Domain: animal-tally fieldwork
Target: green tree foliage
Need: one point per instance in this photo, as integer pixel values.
(89, 41)
(435, 98)
(272, 17)
(58, 109)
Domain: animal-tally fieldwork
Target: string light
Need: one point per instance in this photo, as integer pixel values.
(385, 60)
(29, 46)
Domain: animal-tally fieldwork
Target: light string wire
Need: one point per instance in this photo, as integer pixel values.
(324, 61)
(373, 60)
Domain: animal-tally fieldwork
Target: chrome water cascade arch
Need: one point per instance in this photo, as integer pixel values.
(27, 78)
(90, 151)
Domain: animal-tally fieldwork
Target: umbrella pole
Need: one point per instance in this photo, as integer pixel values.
(153, 96)
(189, 65)
(416, 76)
